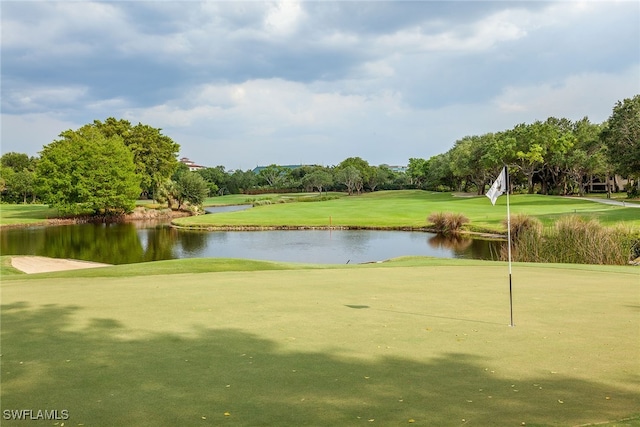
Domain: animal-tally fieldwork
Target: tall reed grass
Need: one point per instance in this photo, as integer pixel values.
(571, 240)
(447, 222)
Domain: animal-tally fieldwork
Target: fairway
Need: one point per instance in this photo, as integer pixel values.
(410, 209)
(414, 341)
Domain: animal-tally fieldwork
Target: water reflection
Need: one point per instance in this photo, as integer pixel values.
(130, 243)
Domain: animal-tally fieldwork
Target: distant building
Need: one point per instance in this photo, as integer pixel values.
(191, 164)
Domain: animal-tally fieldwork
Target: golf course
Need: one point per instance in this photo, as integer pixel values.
(408, 341)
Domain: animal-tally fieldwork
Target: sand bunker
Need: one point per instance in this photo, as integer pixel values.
(40, 264)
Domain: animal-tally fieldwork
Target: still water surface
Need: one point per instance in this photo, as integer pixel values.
(138, 242)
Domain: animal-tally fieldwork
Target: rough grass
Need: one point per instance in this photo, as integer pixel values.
(414, 341)
(572, 239)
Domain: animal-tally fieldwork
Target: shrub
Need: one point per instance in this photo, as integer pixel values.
(447, 222)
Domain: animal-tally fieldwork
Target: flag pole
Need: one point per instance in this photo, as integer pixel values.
(507, 179)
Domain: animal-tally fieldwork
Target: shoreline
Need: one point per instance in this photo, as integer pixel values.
(139, 214)
(487, 234)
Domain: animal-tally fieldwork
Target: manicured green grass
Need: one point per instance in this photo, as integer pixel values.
(25, 214)
(244, 199)
(411, 208)
(6, 269)
(415, 341)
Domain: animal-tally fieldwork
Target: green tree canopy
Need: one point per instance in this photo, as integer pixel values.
(319, 179)
(622, 137)
(361, 165)
(351, 177)
(192, 188)
(17, 161)
(154, 154)
(88, 171)
(273, 175)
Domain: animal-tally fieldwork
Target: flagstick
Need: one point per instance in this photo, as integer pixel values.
(506, 169)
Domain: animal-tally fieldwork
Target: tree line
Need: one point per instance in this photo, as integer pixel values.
(555, 156)
(104, 167)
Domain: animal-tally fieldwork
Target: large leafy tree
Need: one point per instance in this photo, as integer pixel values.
(216, 179)
(22, 184)
(319, 178)
(417, 170)
(351, 177)
(361, 165)
(240, 181)
(17, 175)
(585, 159)
(154, 154)
(17, 161)
(475, 159)
(622, 137)
(85, 170)
(273, 175)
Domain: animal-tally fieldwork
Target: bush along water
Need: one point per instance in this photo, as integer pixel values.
(571, 240)
(447, 223)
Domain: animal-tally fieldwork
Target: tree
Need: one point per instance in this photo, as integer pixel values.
(362, 166)
(622, 138)
(530, 150)
(272, 175)
(22, 184)
(87, 171)
(379, 175)
(319, 179)
(155, 154)
(216, 179)
(192, 188)
(417, 171)
(240, 181)
(439, 174)
(5, 176)
(166, 192)
(349, 176)
(586, 158)
(16, 161)
(474, 159)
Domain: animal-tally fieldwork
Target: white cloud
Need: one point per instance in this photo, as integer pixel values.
(592, 94)
(37, 98)
(283, 17)
(28, 133)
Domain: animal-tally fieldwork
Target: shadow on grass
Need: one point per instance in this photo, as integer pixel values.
(103, 376)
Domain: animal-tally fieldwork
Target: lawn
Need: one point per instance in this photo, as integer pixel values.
(25, 214)
(410, 209)
(414, 341)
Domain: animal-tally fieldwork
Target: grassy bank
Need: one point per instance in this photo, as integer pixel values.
(416, 341)
(410, 209)
(383, 209)
(25, 214)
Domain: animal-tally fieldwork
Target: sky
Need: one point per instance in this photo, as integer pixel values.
(241, 84)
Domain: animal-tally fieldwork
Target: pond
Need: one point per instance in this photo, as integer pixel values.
(138, 242)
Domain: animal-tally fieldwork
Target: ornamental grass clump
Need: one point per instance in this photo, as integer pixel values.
(572, 240)
(447, 222)
(526, 238)
(577, 240)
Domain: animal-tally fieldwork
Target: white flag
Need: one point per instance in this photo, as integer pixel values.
(498, 188)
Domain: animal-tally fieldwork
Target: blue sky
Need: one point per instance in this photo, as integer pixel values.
(245, 83)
